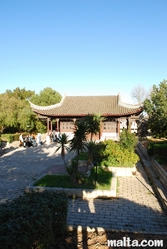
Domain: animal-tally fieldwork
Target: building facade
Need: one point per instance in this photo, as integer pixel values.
(61, 117)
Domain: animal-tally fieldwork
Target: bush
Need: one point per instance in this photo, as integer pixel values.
(9, 138)
(158, 149)
(36, 220)
(13, 137)
(40, 126)
(128, 140)
(115, 155)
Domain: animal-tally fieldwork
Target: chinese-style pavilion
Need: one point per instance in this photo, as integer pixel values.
(62, 116)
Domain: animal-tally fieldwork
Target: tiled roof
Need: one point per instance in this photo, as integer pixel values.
(83, 105)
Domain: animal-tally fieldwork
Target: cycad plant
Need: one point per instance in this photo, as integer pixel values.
(63, 144)
(90, 148)
(79, 139)
(93, 122)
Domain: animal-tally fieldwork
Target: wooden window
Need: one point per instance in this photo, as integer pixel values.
(110, 126)
(66, 126)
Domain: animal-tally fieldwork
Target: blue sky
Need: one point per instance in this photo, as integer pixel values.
(83, 47)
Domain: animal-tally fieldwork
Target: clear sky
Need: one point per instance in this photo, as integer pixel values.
(83, 47)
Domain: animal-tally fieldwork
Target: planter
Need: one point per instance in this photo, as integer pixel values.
(122, 171)
(78, 193)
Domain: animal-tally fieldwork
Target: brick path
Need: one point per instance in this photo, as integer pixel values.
(135, 209)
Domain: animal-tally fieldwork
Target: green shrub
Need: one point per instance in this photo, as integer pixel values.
(9, 138)
(150, 148)
(36, 220)
(16, 137)
(115, 155)
(13, 137)
(40, 126)
(158, 150)
(128, 140)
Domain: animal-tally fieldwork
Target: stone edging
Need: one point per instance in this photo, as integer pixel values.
(101, 229)
(77, 193)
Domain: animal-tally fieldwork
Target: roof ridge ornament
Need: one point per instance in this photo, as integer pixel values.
(49, 106)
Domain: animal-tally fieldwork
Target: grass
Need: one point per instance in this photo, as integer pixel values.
(106, 163)
(103, 182)
(82, 156)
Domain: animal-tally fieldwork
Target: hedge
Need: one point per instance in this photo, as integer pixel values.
(33, 221)
(13, 137)
(157, 149)
(115, 155)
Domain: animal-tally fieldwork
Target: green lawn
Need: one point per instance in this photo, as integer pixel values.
(82, 156)
(103, 182)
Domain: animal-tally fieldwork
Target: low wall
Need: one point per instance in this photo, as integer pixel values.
(78, 193)
(160, 172)
(122, 171)
(143, 150)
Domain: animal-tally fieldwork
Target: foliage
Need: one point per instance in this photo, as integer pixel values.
(36, 220)
(63, 142)
(156, 107)
(20, 115)
(13, 137)
(91, 149)
(47, 96)
(10, 138)
(40, 126)
(128, 140)
(20, 94)
(115, 155)
(158, 150)
(82, 156)
(93, 122)
(104, 178)
(77, 142)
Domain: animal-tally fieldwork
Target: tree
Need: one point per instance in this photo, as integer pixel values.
(139, 94)
(20, 94)
(63, 142)
(128, 140)
(156, 107)
(15, 111)
(93, 123)
(91, 148)
(47, 96)
(77, 142)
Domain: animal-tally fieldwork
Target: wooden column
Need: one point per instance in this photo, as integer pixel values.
(74, 120)
(51, 128)
(58, 126)
(129, 124)
(118, 126)
(48, 125)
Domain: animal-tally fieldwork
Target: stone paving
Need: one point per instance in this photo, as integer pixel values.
(135, 209)
(20, 166)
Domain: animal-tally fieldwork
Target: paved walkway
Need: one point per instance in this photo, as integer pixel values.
(135, 209)
(20, 166)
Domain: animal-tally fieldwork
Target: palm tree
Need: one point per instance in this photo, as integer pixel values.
(93, 124)
(91, 148)
(63, 142)
(77, 142)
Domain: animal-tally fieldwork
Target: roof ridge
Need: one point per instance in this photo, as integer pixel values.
(38, 107)
(120, 103)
